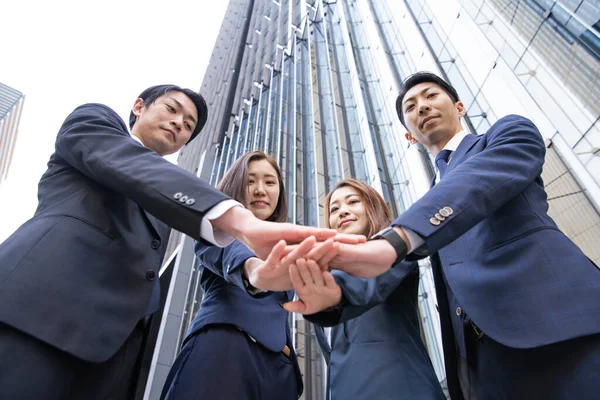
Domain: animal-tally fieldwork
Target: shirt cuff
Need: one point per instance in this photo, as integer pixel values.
(208, 233)
(415, 240)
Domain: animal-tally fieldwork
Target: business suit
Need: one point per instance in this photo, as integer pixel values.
(501, 263)
(231, 325)
(82, 272)
(376, 349)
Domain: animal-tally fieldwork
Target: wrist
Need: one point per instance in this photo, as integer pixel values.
(338, 305)
(234, 221)
(250, 266)
(404, 237)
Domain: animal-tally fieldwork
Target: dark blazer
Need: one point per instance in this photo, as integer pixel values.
(376, 348)
(518, 277)
(226, 301)
(79, 274)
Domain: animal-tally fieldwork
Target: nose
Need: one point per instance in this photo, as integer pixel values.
(423, 106)
(177, 122)
(259, 189)
(343, 211)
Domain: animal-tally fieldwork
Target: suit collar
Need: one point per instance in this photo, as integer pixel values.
(460, 145)
(466, 144)
(456, 140)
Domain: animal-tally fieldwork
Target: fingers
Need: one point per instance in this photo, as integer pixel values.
(295, 306)
(276, 253)
(349, 238)
(304, 272)
(329, 280)
(295, 233)
(299, 251)
(315, 273)
(328, 257)
(296, 279)
(320, 250)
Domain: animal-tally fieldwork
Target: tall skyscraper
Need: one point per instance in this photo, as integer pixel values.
(11, 105)
(314, 83)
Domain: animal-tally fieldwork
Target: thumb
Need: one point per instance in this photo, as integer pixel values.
(295, 306)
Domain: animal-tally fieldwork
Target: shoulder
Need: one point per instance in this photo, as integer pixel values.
(512, 122)
(94, 111)
(513, 127)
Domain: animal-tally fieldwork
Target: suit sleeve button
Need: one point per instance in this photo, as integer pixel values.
(177, 195)
(190, 201)
(155, 243)
(183, 198)
(151, 275)
(434, 221)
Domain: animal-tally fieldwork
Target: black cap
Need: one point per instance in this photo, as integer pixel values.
(152, 93)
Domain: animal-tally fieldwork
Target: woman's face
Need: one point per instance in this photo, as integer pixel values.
(263, 189)
(347, 212)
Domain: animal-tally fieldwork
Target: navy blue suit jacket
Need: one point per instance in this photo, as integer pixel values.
(376, 348)
(518, 277)
(226, 301)
(79, 274)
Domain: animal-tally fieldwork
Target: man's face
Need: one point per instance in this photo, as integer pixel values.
(430, 114)
(166, 125)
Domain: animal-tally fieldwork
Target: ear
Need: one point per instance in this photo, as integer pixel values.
(138, 106)
(460, 107)
(410, 138)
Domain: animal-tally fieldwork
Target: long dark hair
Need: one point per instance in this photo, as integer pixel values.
(377, 210)
(235, 183)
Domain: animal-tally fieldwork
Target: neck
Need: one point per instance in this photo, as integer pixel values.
(436, 147)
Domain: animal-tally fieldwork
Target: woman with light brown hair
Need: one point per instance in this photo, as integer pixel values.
(375, 349)
(239, 344)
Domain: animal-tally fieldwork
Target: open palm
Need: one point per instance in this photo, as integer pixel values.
(316, 289)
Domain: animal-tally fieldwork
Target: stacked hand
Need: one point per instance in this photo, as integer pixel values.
(273, 273)
(316, 289)
(304, 266)
(262, 236)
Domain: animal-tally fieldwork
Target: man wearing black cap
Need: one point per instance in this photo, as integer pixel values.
(80, 275)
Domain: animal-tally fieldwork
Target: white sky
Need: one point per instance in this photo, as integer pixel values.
(64, 53)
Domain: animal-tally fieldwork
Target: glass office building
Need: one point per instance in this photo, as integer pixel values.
(11, 106)
(314, 83)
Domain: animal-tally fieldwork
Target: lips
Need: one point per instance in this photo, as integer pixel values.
(171, 133)
(346, 222)
(259, 204)
(426, 120)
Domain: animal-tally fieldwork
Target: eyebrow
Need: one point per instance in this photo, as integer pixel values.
(349, 195)
(180, 106)
(267, 175)
(413, 97)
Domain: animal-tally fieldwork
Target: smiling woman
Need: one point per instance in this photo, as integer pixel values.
(374, 348)
(236, 321)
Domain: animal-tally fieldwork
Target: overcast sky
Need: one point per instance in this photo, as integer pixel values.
(64, 53)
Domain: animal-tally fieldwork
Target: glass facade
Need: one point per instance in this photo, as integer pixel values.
(11, 106)
(314, 83)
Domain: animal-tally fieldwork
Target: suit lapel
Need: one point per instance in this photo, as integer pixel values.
(157, 226)
(463, 148)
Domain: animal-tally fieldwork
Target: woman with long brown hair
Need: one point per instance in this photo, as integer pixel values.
(375, 349)
(239, 344)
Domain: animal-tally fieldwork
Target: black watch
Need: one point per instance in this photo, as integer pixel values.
(395, 240)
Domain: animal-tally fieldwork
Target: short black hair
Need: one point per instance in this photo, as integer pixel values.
(422, 77)
(152, 93)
